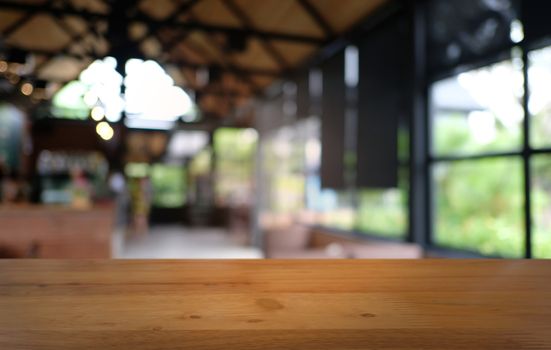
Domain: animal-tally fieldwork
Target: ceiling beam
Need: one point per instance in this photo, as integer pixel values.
(227, 62)
(178, 38)
(314, 13)
(247, 22)
(17, 24)
(175, 24)
(204, 92)
(21, 21)
(210, 28)
(179, 63)
(75, 38)
(182, 9)
(227, 66)
(47, 8)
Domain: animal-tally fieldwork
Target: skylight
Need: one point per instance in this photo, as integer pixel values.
(150, 99)
(151, 95)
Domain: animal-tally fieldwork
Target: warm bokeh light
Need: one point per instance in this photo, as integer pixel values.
(27, 89)
(97, 113)
(3, 66)
(105, 131)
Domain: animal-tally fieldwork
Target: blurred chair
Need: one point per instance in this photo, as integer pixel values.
(302, 242)
(365, 248)
(294, 243)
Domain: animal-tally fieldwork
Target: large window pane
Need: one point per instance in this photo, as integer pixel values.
(478, 206)
(343, 215)
(169, 186)
(539, 106)
(199, 181)
(478, 111)
(284, 166)
(384, 211)
(234, 150)
(541, 206)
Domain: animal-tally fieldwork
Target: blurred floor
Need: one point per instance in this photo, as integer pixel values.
(178, 242)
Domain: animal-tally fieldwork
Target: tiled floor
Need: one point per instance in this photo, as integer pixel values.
(177, 242)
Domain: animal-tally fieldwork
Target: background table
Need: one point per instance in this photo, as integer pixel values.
(275, 304)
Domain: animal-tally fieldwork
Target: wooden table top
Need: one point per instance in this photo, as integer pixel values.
(275, 304)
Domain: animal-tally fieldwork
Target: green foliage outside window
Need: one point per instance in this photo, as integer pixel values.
(68, 102)
(479, 206)
(285, 169)
(479, 203)
(453, 136)
(201, 163)
(234, 150)
(541, 206)
(169, 185)
(385, 211)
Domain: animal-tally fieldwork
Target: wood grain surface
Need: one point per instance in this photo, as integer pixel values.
(275, 304)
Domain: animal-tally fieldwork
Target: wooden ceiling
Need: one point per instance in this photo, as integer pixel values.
(244, 44)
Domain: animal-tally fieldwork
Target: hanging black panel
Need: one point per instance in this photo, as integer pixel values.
(333, 123)
(383, 98)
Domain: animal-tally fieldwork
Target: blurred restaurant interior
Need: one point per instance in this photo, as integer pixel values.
(275, 129)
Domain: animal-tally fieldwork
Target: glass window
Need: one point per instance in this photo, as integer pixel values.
(479, 110)
(479, 206)
(541, 206)
(285, 163)
(539, 109)
(169, 185)
(234, 151)
(343, 215)
(68, 102)
(200, 191)
(539, 105)
(403, 143)
(384, 211)
(201, 163)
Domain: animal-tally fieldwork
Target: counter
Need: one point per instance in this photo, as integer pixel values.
(275, 304)
(57, 231)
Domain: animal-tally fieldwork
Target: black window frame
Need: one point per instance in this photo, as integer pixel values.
(525, 153)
